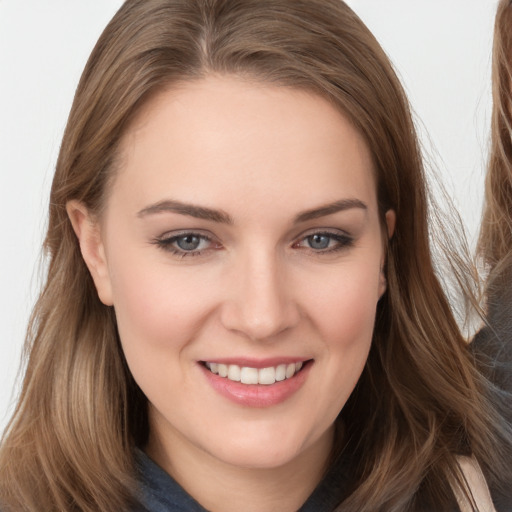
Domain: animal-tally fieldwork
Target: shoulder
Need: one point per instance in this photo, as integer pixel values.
(476, 484)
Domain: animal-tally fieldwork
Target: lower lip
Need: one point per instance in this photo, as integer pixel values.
(258, 395)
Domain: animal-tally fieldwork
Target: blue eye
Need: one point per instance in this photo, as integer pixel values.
(186, 244)
(325, 242)
(319, 241)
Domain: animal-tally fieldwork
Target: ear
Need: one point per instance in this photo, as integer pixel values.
(88, 232)
(390, 222)
(390, 226)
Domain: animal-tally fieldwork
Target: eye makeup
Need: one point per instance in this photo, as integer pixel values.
(187, 243)
(325, 242)
(192, 243)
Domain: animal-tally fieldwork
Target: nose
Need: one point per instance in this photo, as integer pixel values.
(260, 303)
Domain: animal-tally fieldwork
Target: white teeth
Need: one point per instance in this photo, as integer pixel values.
(290, 370)
(234, 372)
(267, 376)
(247, 375)
(281, 372)
(223, 370)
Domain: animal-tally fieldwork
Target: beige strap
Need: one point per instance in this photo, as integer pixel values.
(477, 485)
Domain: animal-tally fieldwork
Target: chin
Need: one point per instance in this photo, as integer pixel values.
(257, 449)
(259, 457)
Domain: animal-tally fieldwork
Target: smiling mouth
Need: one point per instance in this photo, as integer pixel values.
(247, 375)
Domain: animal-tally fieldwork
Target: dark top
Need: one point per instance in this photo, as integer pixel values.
(492, 347)
(161, 493)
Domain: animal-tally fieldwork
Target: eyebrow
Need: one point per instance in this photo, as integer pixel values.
(199, 212)
(220, 216)
(329, 209)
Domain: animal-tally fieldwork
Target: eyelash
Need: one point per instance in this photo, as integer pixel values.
(344, 241)
(166, 244)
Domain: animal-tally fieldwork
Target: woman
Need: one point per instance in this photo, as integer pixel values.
(493, 343)
(495, 244)
(241, 310)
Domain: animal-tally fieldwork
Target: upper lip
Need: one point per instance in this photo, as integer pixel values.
(256, 363)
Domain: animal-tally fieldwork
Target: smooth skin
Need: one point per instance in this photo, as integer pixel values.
(242, 222)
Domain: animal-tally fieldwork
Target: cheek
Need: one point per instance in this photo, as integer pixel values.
(158, 307)
(343, 313)
(160, 313)
(341, 307)
(343, 304)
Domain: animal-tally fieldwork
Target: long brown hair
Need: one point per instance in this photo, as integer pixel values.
(495, 242)
(419, 401)
(492, 345)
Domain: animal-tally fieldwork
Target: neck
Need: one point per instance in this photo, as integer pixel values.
(223, 487)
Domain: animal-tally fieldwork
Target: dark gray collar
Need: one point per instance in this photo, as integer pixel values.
(159, 492)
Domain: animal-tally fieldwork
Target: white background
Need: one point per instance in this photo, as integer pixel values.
(441, 49)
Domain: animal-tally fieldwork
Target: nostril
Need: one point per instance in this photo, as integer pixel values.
(259, 319)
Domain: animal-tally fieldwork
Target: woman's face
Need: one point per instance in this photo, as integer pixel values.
(241, 237)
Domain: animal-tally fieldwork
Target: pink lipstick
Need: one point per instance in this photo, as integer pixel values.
(261, 383)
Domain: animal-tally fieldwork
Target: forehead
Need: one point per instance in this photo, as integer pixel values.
(223, 139)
